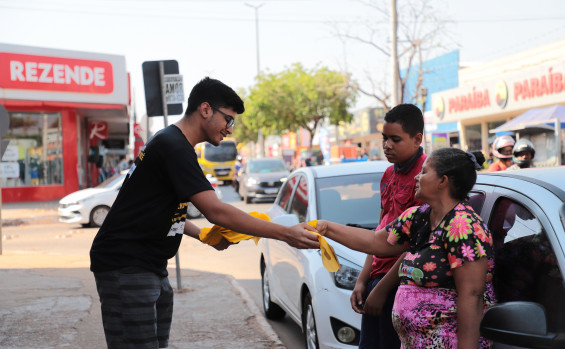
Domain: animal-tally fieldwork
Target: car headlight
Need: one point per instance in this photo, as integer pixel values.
(347, 275)
(252, 181)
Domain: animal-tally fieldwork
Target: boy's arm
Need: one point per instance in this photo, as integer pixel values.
(356, 298)
(377, 298)
(228, 216)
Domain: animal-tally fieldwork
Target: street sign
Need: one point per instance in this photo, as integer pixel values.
(174, 90)
(152, 84)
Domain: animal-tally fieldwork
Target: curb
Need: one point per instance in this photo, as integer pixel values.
(14, 222)
(267, 329)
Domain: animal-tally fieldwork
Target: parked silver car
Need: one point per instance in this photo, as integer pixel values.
(261, 178)
(525, 212)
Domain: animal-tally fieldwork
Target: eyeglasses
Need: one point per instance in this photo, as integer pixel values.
(230, 121)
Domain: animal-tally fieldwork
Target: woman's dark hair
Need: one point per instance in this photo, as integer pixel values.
(216, 93)
(459, 167)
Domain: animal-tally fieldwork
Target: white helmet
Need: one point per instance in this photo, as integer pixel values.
(501, 142)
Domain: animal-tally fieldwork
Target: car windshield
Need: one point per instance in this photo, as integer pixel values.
(266, 166)
(352, 200)
(110, 182)
(226, 151)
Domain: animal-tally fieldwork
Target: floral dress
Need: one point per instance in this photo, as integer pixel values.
(425, 307)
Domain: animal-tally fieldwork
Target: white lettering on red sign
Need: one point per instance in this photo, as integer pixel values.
(19, 71)
(98, 131)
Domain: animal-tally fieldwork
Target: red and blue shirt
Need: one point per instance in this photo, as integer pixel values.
(397, 195)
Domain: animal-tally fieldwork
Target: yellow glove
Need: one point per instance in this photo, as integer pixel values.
(329, 259)
(213, 236)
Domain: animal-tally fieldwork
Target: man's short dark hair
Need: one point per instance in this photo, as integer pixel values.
(409, 117)
(216, 93)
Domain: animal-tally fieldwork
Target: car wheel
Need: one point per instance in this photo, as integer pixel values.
(272, 311)
(248, 199)
(309, 324)
(192, 211)
(98, 215)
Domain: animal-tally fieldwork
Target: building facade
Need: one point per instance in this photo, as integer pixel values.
(492, 93)
(68, 117)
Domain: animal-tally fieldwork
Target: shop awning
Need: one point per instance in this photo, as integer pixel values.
(537, 117)
(446, 127)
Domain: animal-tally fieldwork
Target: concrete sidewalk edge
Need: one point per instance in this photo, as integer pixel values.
(255, 311)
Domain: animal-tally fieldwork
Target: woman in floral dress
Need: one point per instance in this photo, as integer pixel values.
(446, 273)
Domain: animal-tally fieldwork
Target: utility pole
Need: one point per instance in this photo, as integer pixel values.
(260, 137)
(395, 95)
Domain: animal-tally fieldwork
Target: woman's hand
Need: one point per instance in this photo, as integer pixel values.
(376, 300)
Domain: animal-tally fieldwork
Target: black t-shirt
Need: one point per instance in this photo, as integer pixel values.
(145, 224)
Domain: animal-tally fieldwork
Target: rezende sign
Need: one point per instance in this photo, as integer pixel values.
(33, 72)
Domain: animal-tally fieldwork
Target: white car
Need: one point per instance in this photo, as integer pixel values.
(295, 282)
(89, 207)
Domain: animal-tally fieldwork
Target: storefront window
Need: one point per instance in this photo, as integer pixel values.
(34, 152)
(473, 135)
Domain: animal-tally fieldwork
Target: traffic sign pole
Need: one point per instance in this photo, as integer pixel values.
(4, 126)
(166, 122)
(163, 92)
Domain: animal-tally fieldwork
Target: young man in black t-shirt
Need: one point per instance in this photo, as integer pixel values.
(145, 225)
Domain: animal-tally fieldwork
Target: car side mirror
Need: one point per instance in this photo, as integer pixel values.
(519, 323)
(286, 220)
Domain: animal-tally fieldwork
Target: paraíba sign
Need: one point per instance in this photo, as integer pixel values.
(46, 73)
(544, 85)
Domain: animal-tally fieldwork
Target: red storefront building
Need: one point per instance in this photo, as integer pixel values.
(68, 120)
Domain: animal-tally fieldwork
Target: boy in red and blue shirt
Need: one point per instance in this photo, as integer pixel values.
(402, 136)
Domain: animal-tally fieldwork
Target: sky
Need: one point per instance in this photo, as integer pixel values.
(217, 38)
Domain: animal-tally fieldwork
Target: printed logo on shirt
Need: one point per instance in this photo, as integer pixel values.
(137, 161)
(178, 220)
(411, 273)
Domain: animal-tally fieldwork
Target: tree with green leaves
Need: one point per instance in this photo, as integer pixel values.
(297, 97)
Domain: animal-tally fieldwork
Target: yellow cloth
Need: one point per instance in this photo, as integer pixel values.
(329, 259)
(213, 236)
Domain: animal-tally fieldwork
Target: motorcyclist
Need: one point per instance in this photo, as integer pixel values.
(502, 149)
(524, 153)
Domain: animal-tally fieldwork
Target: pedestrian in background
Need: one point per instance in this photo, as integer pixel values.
(402, 133)
(523, 154)
(446, 274)
(502, 150)
(146, 223)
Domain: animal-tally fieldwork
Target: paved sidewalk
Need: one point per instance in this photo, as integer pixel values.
(18, 213)
(59, 307)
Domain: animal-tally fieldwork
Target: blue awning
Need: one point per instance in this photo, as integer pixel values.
(446, 127)
(537, 117)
